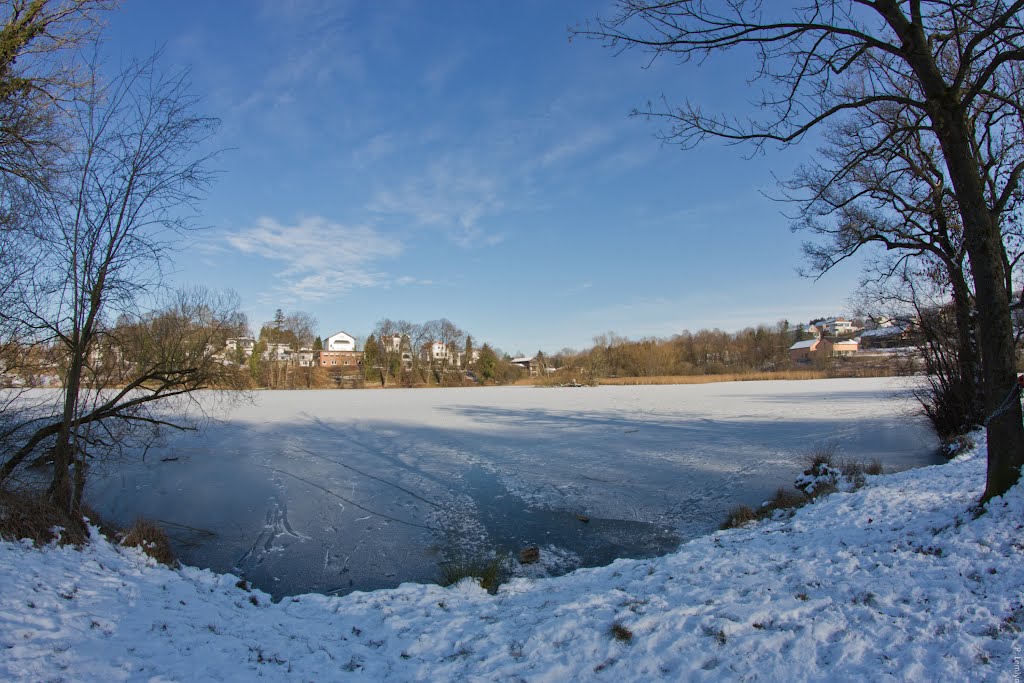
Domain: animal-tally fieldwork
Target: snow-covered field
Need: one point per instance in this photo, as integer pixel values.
(897, 581)
(334, 491)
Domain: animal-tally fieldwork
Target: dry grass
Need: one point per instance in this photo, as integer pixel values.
(152, 539)
(824, 455)
(489, 572)
(740, 515)
(874, 468)
(784, 499)
(33, 517)
(620, 632)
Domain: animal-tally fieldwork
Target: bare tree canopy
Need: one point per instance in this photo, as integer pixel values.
(128, 183)
(950, 68)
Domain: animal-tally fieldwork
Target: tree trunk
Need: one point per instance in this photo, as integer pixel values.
(61, 489)
(983, 240)
(968, 364)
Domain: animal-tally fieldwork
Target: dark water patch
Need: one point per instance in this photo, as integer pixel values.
(512, 525)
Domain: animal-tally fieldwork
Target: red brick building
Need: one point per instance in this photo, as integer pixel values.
(341, 360)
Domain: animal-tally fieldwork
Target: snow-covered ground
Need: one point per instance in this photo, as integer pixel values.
(334, 491)
(897, 581)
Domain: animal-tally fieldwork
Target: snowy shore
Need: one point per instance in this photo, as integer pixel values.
(896, 581)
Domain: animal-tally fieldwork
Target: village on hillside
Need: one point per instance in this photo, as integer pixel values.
(340, 351)
(839, 337)
(279, 357)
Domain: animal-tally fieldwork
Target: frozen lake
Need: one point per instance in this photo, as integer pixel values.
(335, 491)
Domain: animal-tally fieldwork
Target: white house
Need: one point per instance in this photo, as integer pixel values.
(438, 352)
(278, 352)
(246, 344)
(392, 344)
(837, 327)
(340, 341)
(527, 363)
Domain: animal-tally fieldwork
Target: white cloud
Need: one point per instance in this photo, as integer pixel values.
(452, 197)
(320, 257)
(373, 150)
(438, 74)
(577, 145)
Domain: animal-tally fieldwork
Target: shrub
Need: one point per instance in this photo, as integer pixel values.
(489, 572)
(740, 515)
(621, 633)
(786, 499)
(152, 540)
(24, 515)
(825, 455)
(874, 467)
(955, 445)
(823, 473)
(783, 499)
(852, 475)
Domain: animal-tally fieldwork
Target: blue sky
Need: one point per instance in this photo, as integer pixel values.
(419, 160)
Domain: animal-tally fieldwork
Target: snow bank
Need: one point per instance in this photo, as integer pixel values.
(895, 581)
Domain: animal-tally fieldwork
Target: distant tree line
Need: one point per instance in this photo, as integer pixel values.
(762, 348)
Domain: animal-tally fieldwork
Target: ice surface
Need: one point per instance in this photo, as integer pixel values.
(334, 491)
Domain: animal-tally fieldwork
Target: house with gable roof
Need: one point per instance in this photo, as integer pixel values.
(803, 351)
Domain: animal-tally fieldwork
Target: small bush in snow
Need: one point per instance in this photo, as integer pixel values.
(621, 632)
(489, 572)
(825, 474)
(819, 480)
(956, 445)
(784, 499)
(873, 468)
(152, 540)
(740, 515)
(825, 455)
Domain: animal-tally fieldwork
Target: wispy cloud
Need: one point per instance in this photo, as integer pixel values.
(437, 74)
(373, 150)
(313, 48)
(320, 257)
(575, 146)
(454, 198)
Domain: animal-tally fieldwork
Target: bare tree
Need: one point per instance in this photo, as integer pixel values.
(450, 338)
(137, 167)
(953, 65)
(860, 191)
(389, 344)
(303, 326)
(414, 338)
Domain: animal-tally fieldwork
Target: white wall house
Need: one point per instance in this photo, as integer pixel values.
(340, 341)
(392, 345)
(278, 352)
(246, 344)
(527, 363)
(438, 352)
(837, 327)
